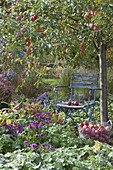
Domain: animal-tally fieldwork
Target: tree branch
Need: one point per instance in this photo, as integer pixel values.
(96, 46)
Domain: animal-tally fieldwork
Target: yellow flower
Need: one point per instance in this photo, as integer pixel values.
(8, 121)
(97, 146)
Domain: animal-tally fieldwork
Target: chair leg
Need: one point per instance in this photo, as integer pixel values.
(67, 114)
(63, 110)
(89, 116)
(64, 120)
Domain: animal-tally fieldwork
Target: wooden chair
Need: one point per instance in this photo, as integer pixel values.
(82, 89)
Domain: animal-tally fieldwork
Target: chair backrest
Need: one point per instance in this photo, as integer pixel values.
(84, 80)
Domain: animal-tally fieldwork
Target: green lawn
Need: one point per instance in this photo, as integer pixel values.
(50, 81)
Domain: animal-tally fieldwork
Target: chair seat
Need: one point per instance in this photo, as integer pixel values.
(64, 105)
(69, 106)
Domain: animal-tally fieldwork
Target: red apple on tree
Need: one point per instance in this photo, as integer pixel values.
(88, 15)
(39, 29)
(69, 32)
(39, 64)
(28, 43)
(82, 52)
(17, 34)
(18, 18)
(28, 51)
(96, 28)
(45, 71)
(47, 53)
(91, 25)
(33, 17)
(82, 44)
(94, 12)
(23, 29)
(27, 40)
(31, 63)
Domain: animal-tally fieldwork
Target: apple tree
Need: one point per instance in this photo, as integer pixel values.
(89, 24)
(25, 36)
(70, 29)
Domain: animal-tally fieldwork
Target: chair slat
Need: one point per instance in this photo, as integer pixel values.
(84, 80)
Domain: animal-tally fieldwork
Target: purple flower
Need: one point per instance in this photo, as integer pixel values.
(37, 114)
(22, 53)
(38, 152)
(45, 103)
(33, 125)
(41, 135)
(37, 135)
(34, 145)
(33, 98)
(47, 113)
(13, 129)
(26, 143)
(38, 119)
(14, 54)
(47, 121)
(43, 145)
(41, 96)
(51, 147)
(40, 125)
(41, 117)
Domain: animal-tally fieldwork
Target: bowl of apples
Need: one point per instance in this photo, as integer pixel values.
(94, 131)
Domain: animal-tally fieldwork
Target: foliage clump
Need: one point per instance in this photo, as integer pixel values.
(6, 90)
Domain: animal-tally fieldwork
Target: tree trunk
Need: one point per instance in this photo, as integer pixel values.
(103, 84)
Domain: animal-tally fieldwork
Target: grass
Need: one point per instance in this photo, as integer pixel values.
(52, 82)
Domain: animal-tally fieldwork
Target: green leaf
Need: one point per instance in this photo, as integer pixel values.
(110, 155)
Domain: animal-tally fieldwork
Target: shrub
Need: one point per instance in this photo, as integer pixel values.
(6, 90)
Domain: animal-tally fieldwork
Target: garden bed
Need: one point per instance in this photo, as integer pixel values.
(34, 138)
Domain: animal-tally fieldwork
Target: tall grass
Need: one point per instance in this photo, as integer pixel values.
(65, 78)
